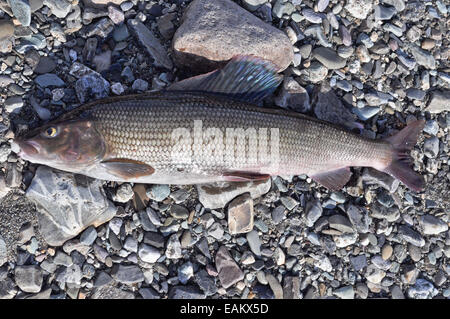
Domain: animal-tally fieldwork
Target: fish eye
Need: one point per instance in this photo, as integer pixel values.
(50, 132)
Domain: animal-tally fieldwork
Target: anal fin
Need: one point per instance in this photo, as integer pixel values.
(333, 180)
(127, 168)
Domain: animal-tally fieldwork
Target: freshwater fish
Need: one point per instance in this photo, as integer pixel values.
(210, 129)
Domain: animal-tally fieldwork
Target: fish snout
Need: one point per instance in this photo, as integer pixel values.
(25, 147)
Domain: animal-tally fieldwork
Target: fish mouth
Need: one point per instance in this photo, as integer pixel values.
(27, 147)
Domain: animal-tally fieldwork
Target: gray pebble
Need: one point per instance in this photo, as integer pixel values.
(88, 236)
(254, 242)
(29, 278)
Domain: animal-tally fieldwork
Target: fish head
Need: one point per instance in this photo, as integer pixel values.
(70, 145)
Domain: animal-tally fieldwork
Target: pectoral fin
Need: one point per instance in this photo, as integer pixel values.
(127, 168)
(242, 176)
(333, 180)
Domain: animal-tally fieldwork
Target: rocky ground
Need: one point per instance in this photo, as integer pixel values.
(383, 63)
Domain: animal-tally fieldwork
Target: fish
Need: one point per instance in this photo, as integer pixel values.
(212, 128)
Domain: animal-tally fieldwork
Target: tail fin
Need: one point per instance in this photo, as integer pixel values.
(400, 167)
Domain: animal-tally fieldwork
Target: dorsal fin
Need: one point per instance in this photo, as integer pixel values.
(245, 77)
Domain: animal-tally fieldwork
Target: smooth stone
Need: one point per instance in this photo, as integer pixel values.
(88, 236)
(29, 278)
(411, 236)
(322, 5)
(293, 96)
(359, 262)
(431, 127)
(359, 218)
(173, 249)
(67, 204)
(60, 8)
(127, 274)
(45, 65)
(398, 4)
(36, 41)
(49, 79)
(312, 16)
(329, 107)
(384, 13)
(317, 72)
(422, 289)
(151, 44)
(423, 57)
(35, 5)
(366, 112)
(431, 147)
(415, 94)
(6, 29)
(240, 214)
(228, 269)
(21, 10)
(329, 58)
(235, 31)
(102, 28)
(313, 211)
(254, 242)
(275, 286)
(359, 8)
(371, 176)
(121, 33)
(346, 292)
(148, 253)
(345, 51)
(432, 225)
(278, 214)
(13, 103)
(282, 8)
(158, 193)
(340, 223)
(179, 212)
(206, 283)
(439, 102)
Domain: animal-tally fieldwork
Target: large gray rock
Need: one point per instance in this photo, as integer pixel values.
(214, 31)
(67, 204)
(217, 195)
